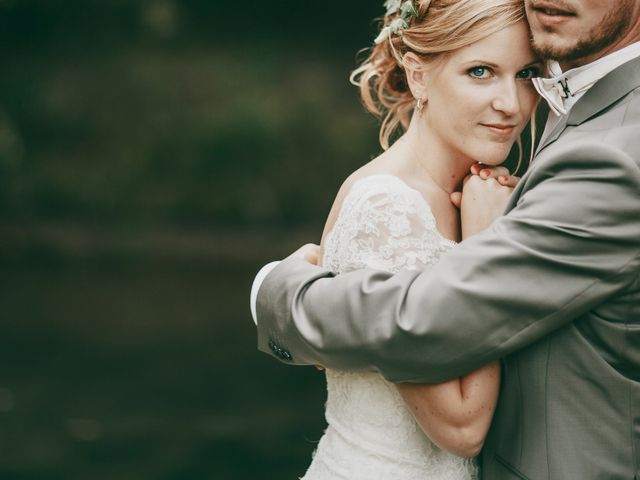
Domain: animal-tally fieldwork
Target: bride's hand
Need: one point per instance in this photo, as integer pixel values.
(500, 173)
(484, 198)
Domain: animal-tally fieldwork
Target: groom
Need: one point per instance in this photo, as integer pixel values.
(552, 288)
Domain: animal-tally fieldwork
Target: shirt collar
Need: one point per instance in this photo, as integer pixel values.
(564, 89)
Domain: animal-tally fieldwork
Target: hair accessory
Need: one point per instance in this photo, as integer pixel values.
(396, 26)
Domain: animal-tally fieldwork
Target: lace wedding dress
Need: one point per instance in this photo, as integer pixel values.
(387, 225)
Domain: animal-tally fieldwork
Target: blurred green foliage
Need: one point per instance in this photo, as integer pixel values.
(153, 154)
(191, 112)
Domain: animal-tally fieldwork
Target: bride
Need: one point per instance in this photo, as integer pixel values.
(454, 76)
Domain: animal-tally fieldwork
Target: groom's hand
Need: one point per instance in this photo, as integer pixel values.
(309, 253)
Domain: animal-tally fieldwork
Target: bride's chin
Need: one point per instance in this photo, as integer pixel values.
(494, 154)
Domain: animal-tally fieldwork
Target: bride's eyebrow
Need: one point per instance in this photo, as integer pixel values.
(481, 62)
(496, 66)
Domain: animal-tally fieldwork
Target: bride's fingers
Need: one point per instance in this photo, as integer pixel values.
(487, 172)
(456, 199)
(475, 168)
(491, 170)
(508, 180)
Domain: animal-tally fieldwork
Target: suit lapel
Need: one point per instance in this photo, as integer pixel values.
(553, 135)
(541, 118)
(608, 90)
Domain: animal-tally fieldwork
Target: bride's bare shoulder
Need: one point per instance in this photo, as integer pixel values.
(377, 166)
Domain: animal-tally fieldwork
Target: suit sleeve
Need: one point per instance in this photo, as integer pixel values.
(571, 242)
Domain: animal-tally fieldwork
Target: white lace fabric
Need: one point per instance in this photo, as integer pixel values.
(386, 225)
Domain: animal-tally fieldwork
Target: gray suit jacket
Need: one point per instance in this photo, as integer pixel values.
(552, 288)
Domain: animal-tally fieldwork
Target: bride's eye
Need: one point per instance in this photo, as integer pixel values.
(479, 72)
(529, 73)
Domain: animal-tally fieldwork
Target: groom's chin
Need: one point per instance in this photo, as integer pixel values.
(552, 46)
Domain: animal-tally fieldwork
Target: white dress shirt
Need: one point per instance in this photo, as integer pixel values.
(255, 286)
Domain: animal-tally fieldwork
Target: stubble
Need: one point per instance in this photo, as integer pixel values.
(612, 27)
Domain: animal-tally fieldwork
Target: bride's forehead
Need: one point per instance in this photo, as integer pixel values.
(509, 44)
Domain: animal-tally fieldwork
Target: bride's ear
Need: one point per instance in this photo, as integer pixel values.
(416, 72)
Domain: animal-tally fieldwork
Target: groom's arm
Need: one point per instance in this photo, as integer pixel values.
(572, 241)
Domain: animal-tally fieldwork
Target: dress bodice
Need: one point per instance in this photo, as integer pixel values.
(384, 224)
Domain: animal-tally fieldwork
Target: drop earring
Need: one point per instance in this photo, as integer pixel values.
(419, 105)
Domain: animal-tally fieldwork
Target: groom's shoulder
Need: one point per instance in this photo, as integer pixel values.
(631, 116)
(621, 130)
(609, 138)
(605, 157)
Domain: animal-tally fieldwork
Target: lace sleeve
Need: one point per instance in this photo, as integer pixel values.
(386, 225)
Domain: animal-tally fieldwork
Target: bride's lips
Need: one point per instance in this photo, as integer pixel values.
(500, 128)
(550, 15)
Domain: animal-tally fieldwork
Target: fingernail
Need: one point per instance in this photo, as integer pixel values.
(475, 169)
(503, 178)
(485, 172)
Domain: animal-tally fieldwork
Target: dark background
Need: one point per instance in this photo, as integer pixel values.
(153, 155)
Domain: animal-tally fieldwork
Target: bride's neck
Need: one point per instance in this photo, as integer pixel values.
(426, 155)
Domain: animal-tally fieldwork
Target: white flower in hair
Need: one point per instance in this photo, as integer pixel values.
(408, 10)
(392, 6)
(397, 25)
(383, 35)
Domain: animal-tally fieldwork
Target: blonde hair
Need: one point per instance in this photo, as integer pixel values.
(440, 27)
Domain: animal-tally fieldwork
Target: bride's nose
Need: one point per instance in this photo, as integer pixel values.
(506, 98)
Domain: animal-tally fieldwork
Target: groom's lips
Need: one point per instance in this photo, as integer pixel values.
(550, 14)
